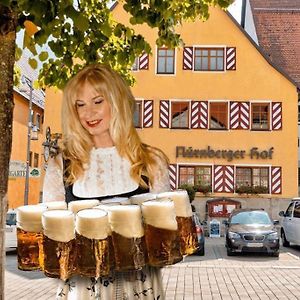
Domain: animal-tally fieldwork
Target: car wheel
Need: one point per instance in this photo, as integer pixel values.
(230, 252)
(285, 242)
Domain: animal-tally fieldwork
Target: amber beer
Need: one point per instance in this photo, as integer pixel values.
(127, 236)
(59, 243)
(76, 206)
(184, 216)
(140, 198)
(92, 243)
(161, 232)
(29, 237)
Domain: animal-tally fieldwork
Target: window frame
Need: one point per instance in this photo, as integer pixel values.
(157, 61)
(141, 111)
(209, 49)
(268, 104)
(188, 102)
(227, 115)
(194, 167)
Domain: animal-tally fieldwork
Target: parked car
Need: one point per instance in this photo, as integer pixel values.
(251, 230)
(290, 230)
(10, 230)
(200, 235)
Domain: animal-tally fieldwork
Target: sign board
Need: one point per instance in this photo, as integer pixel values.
(214, 228)
(17, 168)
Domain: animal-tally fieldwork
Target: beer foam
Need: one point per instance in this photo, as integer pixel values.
(116, 200)
(181, 202)
(76, 206)
(92, 223)
(55, 205)
(59, 225)
(160, 214)
(126, 220)
(29, 217)
(140, 198)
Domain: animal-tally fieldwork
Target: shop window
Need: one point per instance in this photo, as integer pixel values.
(36, 160)
(180, 114)
(165, 61)
(137, 116)
(209, 59)
(222, 208)
(218, 115)
(252, 180)
(260, 116)
(195, 175)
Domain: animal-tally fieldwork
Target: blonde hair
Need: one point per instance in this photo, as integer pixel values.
(77, 142)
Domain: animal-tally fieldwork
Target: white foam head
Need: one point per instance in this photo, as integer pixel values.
(55, 205)
(126, 220)
(181, 202)
(59, 225)
(116, 201)
(29, 217)
(92, 223)
(140, 198)
(76, 206)
(160, 213)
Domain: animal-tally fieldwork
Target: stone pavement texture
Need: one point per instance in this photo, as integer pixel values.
(213, 276)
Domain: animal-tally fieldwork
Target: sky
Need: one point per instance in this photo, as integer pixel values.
(235, 9)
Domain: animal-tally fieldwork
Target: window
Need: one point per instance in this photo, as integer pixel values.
(135, 66)
(30, 159)
(218, 115)
(137, 116)
(209, 59)
(253, 177)
(36, 160)
(165, 61)
(180, 114)
(289, 210)
(297, 210)
(195, 175)
(260, 116)
(38, 121)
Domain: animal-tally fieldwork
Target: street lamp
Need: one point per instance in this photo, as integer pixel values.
(51, 148)
(30, 128)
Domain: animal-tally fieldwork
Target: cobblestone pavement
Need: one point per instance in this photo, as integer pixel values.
(213, 276)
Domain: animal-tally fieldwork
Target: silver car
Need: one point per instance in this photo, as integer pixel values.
(251, 230)
(10, 230)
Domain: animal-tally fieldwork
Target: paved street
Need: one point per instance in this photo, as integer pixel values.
(214, 276)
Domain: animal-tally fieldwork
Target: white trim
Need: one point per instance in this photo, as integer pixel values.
(156, 60)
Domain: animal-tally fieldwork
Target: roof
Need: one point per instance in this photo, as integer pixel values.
(38, 96)
(277, 26)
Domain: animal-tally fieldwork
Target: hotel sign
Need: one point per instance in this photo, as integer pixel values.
(228, 154)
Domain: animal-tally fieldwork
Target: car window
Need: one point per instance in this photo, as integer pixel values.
(289, 210)
(251, 217)
(297, 210)
(10, 219)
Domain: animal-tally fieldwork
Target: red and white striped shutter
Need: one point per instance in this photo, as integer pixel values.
(188, 58)
(276, 181)
(230, 58)
(239, 115)
(195, 114)
(223, 179)
(173, 176)
(148, 114)
(203, 115)
(144, 61)
(276, 115)
(164, 113)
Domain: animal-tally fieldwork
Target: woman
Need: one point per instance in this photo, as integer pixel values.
(103, 156)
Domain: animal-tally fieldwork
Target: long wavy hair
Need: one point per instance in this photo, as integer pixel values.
(77, 142)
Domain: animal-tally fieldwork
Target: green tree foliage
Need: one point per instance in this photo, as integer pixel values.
(78, 32)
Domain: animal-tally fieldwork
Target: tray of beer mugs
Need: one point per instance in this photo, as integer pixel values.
(93, 239)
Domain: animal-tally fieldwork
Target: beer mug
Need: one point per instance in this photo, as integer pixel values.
(76, 206)
(127, 236)
(116, 201)
(55, 205)
(59, 243)
(92, 243)
(140, 198)
(29, 237)
(184, 216)
(161, 232)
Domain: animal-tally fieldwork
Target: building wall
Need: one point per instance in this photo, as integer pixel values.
(16, 183)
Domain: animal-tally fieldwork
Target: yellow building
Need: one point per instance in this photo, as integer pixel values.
(224, 115)
(17, 171)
